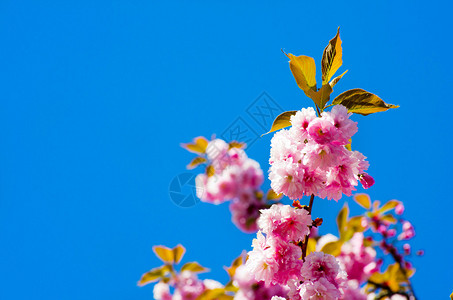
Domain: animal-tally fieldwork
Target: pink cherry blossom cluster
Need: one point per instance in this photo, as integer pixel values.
(321, 277)
(359, 261)
(186, 286)
(311, 158)
(275, 258)
(237, 178)
(250, 289)
(234, 173)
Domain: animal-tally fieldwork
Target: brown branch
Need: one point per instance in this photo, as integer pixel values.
(305, 244)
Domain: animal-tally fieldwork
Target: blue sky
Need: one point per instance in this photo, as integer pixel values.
(97, 95)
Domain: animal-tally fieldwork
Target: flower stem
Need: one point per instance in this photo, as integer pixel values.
(305, 245)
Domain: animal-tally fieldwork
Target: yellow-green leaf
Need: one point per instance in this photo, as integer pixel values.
(363, 200)
(153, 275)
(165, 254)
(198, 145)
(355, 224)
(332, 58)
(195, 162)
(238, 261)
(378, 278)
(214, 294)
(311, 246)
(236, 144)
(322, 96)
(194, 267)
(362, 102)
(389, 218)
(178, 253)
(304, 71)
(210, 171)
(388, 206)
(336, 79)
(348, 146)
(342, 219)
(272, 195)
(283, 120)
(332, 248)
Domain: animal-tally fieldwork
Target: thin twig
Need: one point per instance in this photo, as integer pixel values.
(305, 245)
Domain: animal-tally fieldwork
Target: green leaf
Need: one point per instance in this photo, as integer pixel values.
(194, 267)
(195, 162)
(362, 102)
(153, 275)
(336, 79)
(363, 200)
(178, 253)
(331, 58)
(198, 145)
(165, 254)
(283, 120)
(388, 206)
(342, 219)
(332, 248)
(304, 71)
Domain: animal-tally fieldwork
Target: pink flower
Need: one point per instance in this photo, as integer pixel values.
(301, 120)
(287, 257)
(285, 222)
(245, 210)
(251, 176)
(188, 287)
(319, 289)
(250, 289)
(320, 265)
(322, 131)
(346, 128)
(358, 260)
(162, 291)
(261, 261)
(285, 145)
(217, 150)
(285, 178)
(352, 291)
(321, 156)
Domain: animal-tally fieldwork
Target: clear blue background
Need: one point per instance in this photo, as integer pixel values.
(95, 97)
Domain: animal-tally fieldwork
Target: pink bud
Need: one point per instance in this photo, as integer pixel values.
(408, 265)
(399, 209)
(391, 232)
(382, 229)
(366, 180)
(407, 249)
(408, 231)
